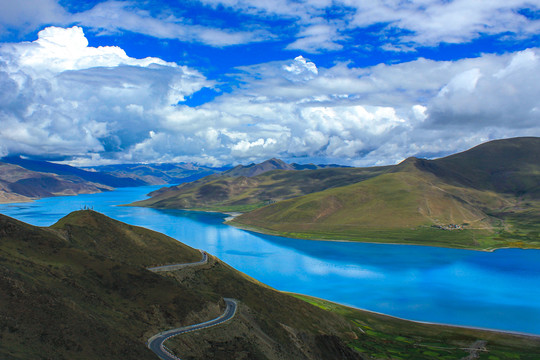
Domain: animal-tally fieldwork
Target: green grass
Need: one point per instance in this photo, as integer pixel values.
(426, 236)
(402, 207)
(221, 193)
(80, 290)
(393, 338)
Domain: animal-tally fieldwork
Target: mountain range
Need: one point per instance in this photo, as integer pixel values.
(24, 179)
(159, 174)
(18, 184)
(483, 198)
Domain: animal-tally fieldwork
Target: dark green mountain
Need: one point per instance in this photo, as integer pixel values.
(508, 166)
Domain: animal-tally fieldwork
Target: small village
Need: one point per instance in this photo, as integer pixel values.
(449, 227)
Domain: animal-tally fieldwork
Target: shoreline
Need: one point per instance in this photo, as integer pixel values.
(231, 215)
(504, 332)
(272, 233)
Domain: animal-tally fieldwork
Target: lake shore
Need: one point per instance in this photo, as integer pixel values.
(230, 221)
(347, 269)
(429, 323)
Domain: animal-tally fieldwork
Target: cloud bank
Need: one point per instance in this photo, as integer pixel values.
(401, 25)
(61, 97)
(312, 26)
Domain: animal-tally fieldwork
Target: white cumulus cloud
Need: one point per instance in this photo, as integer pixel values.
(59, 96)
(62, 97)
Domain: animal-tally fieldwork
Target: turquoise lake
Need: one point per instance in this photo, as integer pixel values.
(497, 290)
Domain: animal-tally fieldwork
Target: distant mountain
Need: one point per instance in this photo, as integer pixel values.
(256, 169)
(66, 170)
(485, 197)
(269, 165)
(80, 290)
(26, 179)
(18, 184)
(160, 174)
(244, 188)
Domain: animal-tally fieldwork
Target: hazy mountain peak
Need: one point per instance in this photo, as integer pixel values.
(257, 169)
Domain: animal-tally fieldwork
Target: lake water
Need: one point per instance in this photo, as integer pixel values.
(498, 290)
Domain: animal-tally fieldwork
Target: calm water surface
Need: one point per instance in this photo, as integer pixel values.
(499, 290)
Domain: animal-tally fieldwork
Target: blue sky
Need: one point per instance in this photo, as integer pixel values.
(233, 81)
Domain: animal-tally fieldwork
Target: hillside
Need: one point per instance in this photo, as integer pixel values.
(80, 290)
(508, 166)
(243, 187)
(18, 184)
(224, 192)
(482, 198)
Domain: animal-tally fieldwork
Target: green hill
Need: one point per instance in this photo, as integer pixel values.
(508, 166)
(80, 290)
(483, 198)
(242, 193)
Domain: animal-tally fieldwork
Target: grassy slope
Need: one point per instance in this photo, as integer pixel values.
(397, 207)
(268, 325)
(508, 166)
(386, 337)
(63, 300)
(496, 199)
(80, 290)
(248, 193)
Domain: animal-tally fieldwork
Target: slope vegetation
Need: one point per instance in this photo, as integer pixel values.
(243, 193)
(80, 289)
(483, 198)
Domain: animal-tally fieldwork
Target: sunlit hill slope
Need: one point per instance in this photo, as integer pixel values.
(472, 199)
